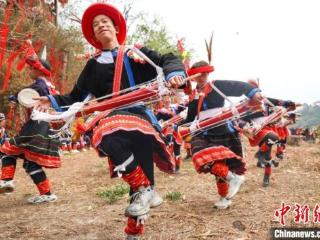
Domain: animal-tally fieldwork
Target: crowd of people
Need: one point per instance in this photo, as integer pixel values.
(307, 134)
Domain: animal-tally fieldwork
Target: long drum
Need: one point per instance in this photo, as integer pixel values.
(225, 114)
(139, 95)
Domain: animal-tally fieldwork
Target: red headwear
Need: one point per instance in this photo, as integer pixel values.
(33, 60)
(36, 63)
(202, 69)
(207, 68)
(102, 9)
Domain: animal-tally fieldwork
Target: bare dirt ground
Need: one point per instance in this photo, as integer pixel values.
(80, 214)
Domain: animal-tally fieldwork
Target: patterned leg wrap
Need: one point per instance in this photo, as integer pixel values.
(7, 173)
(264, 147)
(44, 187)
(8, 168)
(220, 169)
(268, 170)
(38, 176)
(178, 161)
(132, 228)
(267, 173)
(136, 178)
(223, 187)
(279, 149)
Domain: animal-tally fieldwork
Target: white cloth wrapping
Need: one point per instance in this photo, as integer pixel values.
(68, 116)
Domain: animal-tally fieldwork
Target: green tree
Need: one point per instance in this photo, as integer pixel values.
(310, 116)
(38, 25)
(153, 34)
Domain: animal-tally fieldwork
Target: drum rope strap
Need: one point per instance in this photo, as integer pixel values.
(118, 71)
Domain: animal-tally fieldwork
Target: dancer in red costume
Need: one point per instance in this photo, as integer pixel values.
(272, 134)
(32, 144)
(130, 137)
(218, 151)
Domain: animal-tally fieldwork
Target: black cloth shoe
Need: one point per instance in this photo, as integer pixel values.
(266, 180)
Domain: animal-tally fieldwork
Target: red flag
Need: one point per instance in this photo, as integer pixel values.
(4, 31)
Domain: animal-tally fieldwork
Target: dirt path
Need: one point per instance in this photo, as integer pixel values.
(80, 214)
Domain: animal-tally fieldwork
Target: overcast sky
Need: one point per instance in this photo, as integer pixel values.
(275, 40)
